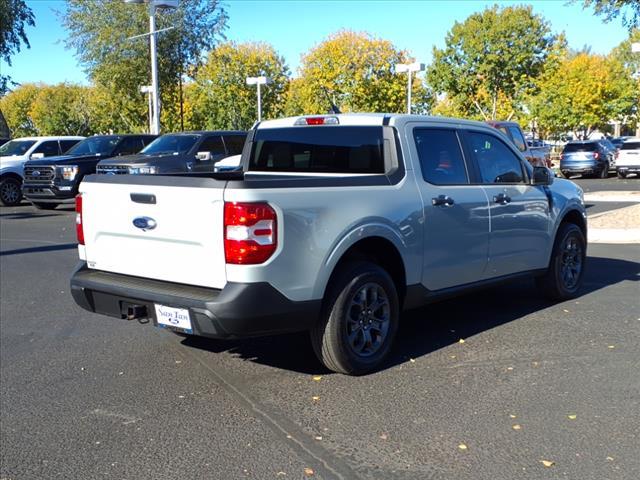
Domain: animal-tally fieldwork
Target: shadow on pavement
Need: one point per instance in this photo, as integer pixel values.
(41, 248)
(430, 328)
(25, 215)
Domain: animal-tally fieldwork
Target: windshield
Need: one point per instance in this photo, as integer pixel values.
(318, 149)
(171, 144)
(580, 147)
(16, 147)
(630, 146)
(95, 146)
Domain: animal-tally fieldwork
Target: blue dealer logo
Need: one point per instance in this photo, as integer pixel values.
(144, 223)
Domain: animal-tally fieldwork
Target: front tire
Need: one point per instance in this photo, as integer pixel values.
(44, 206)
(621, 174)
(359, 320)
(563, 278)
(10, 192)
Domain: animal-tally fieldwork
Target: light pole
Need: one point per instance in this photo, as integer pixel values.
(409, 68)
(153, 6)
(148, 90)
(259, 81)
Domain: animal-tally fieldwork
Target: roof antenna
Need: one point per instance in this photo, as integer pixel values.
(333, 109)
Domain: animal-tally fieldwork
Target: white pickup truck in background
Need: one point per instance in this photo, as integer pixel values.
(334, 225)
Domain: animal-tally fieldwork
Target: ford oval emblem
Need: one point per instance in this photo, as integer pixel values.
(144, 223)
(35, 173)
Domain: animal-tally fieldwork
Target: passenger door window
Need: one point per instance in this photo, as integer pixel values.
(518, 139)
(48, 148)
(234, 143)
(129, 146)
(496, 162)
(212, 144)
(440, 156)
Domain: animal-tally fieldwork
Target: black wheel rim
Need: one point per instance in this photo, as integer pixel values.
(571, 262)
(9, 192)
(368, 320)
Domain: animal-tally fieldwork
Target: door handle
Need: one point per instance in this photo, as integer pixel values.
(442, 200)
(502, 199)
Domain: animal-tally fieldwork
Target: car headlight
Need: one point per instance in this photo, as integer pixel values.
(68, 172)
(143, 170)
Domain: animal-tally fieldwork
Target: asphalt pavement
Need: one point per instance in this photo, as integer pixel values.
(500, 384)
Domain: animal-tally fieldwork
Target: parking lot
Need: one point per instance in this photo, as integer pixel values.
(499, 384)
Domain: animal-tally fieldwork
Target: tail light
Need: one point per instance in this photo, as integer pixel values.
(561, 156)
(596, 155)
(79, 228)
(317, 121)
(250, 233)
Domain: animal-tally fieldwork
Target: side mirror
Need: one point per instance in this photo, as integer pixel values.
(36, 156)
(542, 176)
(203, 156)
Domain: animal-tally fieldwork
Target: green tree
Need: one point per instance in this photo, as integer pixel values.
(15, 15)
(491, 60)
(16, 107)
(356, 72)
(583, 93)
(222, 99)
(629, 10)
(99, 31)
(62, 109)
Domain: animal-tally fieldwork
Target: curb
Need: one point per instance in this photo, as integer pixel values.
(614, 235)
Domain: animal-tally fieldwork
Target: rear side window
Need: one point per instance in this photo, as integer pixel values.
(630, 146)
(67, 144)
(518, 139)
(580, 147)
(234, 143)
(440, 156)
(321, 149)
(212, 144)
(497, 163)
(130, 145)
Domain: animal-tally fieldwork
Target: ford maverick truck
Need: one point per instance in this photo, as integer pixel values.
(335, 225)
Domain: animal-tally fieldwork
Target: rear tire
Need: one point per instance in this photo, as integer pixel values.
(10, 192)
(45, 206)
(564, 275)
(359, 319)
(604, 173)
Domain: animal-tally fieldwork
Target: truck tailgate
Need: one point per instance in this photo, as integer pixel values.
(186, 243)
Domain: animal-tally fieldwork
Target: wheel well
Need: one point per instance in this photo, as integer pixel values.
(11, 175)
(577, 219)
(381, 252)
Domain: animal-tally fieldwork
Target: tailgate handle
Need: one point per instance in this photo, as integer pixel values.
(143, 198)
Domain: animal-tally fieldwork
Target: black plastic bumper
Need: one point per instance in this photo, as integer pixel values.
(50, 193)
(238, 310)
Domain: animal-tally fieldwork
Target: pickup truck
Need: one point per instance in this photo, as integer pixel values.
(178, 153)
(536, 156)
(49, 182)
(335, 225)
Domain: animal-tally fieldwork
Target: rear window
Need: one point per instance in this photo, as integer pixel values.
(324, 149)
(580, 147)
(630, 146)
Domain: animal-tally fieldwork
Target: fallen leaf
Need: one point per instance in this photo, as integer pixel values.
(610, 459)
(509, 368)
(572, 416)
(452, 356)
(178, 361)
(512, 415)
(462, 446)
(461, 340)
(565, 310)
(315, 398)
(516, 427)
(281, 474)
(317, 378)
(318, 437)
(384, 436)
(611, 346)
(548, 463)
(308, 472)
(120, 373)
(412, 360)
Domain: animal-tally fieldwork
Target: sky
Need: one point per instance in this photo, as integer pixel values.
(293, 27)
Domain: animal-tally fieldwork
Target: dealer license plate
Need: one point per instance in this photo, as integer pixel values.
(176, 318)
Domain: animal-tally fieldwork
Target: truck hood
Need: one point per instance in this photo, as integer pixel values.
(139, 159)
(65, 160)
(13, 161)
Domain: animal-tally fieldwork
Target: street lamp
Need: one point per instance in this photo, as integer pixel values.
(153, 6)
(409, 68)
(259, 81)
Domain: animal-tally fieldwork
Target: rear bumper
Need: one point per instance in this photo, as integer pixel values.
(238, 310)
(629, 168)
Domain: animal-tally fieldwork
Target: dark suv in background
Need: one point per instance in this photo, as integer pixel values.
(586, 158)
(51, 181)
(179, 153)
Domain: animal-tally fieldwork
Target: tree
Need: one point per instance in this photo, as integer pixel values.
(491, 60)
(99, 31)
(16, 107)
(585, 92)
(14, 16)
(222, 99)
(612, 9)
(62, 109)
(356, 72)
